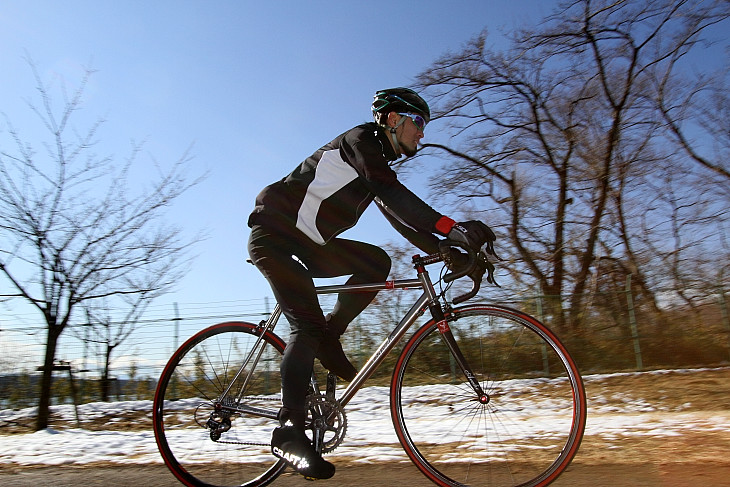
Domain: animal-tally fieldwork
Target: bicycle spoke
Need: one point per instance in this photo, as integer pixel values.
(526, 430)
(206, 439)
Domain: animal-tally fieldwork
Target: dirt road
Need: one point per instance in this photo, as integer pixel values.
(695, 453)
(401, 475)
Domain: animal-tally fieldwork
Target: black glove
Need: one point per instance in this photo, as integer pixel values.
(457, 260)
(474, 234)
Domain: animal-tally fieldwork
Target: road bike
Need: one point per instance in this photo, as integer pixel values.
(481, 394)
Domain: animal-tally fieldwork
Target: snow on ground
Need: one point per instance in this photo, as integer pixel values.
(370, 436)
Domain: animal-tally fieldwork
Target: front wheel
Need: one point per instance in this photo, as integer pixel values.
(213, 425)
(527, 428)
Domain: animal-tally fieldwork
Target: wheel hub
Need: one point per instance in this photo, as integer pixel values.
(483, 399)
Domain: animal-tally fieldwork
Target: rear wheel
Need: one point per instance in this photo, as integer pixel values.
(524, 432)
(206, 438)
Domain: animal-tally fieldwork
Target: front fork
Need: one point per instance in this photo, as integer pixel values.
(434, 305)
(443, 326)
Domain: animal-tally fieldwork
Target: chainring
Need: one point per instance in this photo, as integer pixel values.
(319, 408)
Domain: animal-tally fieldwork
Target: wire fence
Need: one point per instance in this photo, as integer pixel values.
(619, 333)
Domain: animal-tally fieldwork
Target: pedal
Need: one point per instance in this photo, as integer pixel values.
(331, 386)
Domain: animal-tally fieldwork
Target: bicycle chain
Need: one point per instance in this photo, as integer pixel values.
(251, 443)
(323, 403)
(224, 415)
(245, 443)
(262, 398)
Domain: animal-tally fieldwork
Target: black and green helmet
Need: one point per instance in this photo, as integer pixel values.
(401, 100)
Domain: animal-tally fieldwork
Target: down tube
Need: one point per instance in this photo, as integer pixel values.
(384, 349)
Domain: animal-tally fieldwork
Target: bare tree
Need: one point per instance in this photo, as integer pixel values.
(553, 137)
(696, 110)
(74, 230)
(106, 331)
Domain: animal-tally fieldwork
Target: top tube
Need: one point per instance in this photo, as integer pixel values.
(379, 286)
(396, 284)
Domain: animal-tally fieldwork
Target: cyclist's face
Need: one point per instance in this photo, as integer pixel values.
(409, 135)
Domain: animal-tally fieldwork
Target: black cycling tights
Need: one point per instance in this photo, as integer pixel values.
(290, 261)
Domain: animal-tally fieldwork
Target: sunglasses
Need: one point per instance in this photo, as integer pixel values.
(417, 119)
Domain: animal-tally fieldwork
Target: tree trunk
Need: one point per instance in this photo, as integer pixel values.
(105, 385)
(44, 401)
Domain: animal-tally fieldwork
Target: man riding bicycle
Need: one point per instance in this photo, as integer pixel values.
(294, 239)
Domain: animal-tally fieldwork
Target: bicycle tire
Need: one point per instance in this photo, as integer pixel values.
(525, 435)
(186, 397)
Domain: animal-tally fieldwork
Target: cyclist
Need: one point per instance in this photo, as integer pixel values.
(294, 238)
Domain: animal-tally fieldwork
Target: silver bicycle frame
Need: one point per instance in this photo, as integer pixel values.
(258, 350)
(419, 307)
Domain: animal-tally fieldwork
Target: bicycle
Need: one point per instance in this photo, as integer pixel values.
(480, 395)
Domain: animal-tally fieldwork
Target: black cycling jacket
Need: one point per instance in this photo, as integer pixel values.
(328, 192)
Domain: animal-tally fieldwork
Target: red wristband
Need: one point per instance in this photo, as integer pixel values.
(444, 225)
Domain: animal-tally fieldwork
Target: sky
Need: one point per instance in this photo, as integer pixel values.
(613, 417)
(252, 87)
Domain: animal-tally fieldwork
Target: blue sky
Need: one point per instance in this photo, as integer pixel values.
(255, 87)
